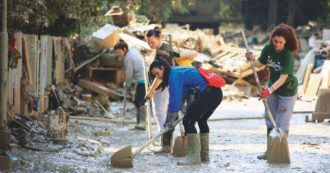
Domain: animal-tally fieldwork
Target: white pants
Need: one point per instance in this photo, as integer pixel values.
(159, 105)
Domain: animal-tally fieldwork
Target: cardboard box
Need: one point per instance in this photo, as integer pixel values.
(108, 35)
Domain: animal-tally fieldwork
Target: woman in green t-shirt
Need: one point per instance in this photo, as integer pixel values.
(282, 85)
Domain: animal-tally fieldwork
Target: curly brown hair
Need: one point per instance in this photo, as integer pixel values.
(289, 35)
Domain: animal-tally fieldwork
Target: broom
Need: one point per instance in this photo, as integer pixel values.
(278, 151)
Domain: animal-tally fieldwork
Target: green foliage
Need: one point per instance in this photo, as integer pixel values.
(155, 10)
(230, 9)
(56, 17)
(255, 12)
(67, 17)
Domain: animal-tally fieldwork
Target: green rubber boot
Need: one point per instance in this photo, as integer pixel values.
(204, 137)
(264, 155)
(141, 118)
(194, 151)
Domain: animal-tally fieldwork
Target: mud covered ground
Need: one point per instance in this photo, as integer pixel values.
(234, 145)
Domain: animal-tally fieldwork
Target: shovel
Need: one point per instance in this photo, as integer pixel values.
(123, 158)
(180, 147)
(279, 148)
(146, 80)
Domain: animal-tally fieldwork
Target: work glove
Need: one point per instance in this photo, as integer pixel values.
(249, 56)
(170, 119)
(174, 54)
(267, 92)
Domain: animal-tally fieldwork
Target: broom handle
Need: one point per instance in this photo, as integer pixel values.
(264, 100)
(146, 80)
(181, 125)
(156, 137)
(125, 100)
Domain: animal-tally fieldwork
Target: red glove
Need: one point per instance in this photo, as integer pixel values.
(267, 92)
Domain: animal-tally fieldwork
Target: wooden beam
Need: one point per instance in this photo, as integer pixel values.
(306, 77)
(313, 84)
(325, 74)
(89, 60)
(59, 60)
(18, 75)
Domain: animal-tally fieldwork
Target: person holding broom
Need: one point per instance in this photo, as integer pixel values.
(134, 70)
(281, 90)
(180, 80)
(160, 95)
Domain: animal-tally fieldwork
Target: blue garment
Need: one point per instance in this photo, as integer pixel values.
(181, 80)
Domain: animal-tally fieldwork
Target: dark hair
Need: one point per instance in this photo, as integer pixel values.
(121, 45)
(289, 35)
(160, 61)
(165, 55)
(154, 32)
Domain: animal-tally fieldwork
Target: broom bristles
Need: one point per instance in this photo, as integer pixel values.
(279, 148)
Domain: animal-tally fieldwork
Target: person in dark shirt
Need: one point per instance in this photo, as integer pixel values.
(282, 86)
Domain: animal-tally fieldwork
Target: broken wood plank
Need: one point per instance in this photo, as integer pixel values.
(49, 62)
(89, 60)
(45, 48)
(325, 74)
(59, 60)
(306, 77)
(69, 54)
(18, 75)
(130, 40)
(94, 86)
(313, 84)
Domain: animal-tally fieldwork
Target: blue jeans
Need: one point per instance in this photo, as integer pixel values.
(281, 108)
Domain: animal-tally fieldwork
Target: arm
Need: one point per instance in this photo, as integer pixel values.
(153, 88)
(279, 82)
(257, 63)
(176, 92)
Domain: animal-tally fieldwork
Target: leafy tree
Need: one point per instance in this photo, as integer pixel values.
(155, 10)
(66, 17)
(255, 12)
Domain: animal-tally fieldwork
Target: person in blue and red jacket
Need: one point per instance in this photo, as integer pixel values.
(181, 80)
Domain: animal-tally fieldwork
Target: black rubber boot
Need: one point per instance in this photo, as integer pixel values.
(166, 143)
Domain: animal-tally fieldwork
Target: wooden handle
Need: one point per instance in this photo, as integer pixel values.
(264, 100)
(156, 137)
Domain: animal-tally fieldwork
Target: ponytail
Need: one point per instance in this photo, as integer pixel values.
(154, 32)
(121, 45)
